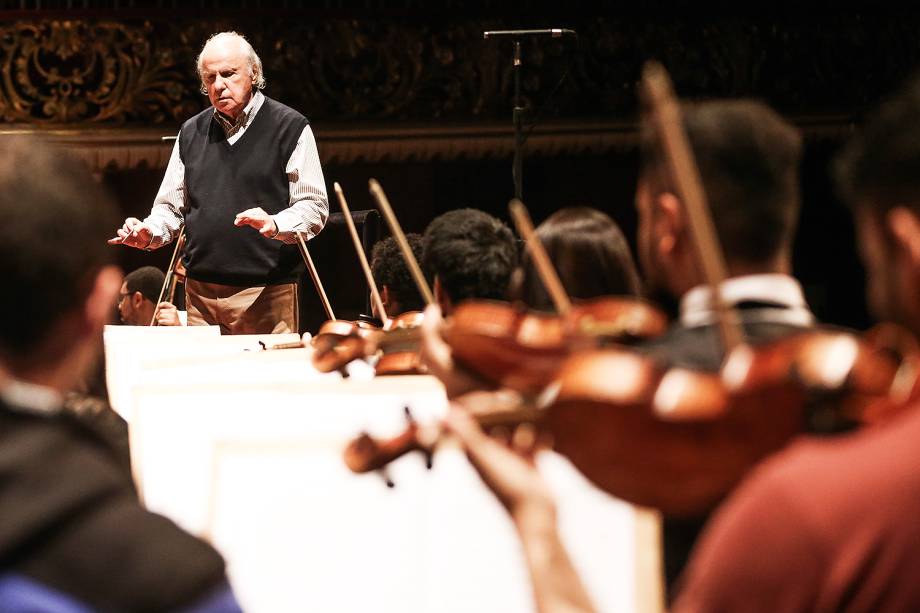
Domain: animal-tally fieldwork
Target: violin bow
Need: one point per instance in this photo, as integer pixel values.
(544, 266)
(314, 274)
(173, 276)
(180, 242)
(362, 257)
(666, 115)
(384, 205)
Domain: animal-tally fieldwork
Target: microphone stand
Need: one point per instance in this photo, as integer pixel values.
(517, 118)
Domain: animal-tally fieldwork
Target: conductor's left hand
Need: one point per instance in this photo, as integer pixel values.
(258, 219)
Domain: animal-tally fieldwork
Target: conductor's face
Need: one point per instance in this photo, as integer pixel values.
(226, 74)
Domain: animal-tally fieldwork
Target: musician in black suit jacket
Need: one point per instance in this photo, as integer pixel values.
(748, 159)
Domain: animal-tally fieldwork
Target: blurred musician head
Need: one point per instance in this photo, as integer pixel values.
(394, 281)
(138, 295)
(879, 174)
(53, 251)
(590, 254)
(469, 255)
(748, 159)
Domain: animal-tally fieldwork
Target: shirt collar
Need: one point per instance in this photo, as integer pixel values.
(31, 398)
(245, 118)
(774, 289)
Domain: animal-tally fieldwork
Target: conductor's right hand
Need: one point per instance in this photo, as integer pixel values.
(134, 233)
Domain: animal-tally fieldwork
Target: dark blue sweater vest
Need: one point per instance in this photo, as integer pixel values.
(222, 180)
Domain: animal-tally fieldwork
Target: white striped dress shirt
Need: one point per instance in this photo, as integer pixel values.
(309, 204)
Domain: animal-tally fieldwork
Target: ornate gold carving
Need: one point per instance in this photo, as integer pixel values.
(72, 71)
(386, 71)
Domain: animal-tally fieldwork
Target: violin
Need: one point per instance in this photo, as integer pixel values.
(398, 345)
(512, 347)
(338, 339)
(679, 440)
(398, 341)
(508, 346)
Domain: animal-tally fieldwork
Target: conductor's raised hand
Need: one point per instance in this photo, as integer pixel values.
(134, 233)
(258, 219)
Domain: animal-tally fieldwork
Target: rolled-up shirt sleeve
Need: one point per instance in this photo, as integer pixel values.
(165, 219)
(309, 204)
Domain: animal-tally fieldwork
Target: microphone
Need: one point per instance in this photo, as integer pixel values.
(551, 32)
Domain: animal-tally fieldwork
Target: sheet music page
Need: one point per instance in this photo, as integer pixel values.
(130, 351)
(259, 471)
(126, 345)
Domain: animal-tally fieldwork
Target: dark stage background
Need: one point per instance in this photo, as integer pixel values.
(409, 93)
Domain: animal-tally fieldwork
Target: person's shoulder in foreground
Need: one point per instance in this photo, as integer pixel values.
(828, 525)
(75, 534)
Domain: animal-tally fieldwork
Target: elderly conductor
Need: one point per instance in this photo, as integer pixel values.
(251, 162)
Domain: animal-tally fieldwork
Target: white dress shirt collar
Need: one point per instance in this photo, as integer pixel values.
(31, 398)
(245, 118)
(771, 289)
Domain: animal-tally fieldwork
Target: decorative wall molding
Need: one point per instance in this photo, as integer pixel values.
(113, 148)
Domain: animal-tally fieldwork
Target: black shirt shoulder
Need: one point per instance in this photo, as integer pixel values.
(72, 521)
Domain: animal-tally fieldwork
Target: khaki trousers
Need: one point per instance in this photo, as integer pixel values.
(271, 309)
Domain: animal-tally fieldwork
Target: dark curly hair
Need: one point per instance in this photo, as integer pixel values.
(390, 270)
(471, 253)
(148, 280)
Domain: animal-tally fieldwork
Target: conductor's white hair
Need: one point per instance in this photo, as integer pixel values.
(255, 64)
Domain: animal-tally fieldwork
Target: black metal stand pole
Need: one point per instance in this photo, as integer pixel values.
(517, 169)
